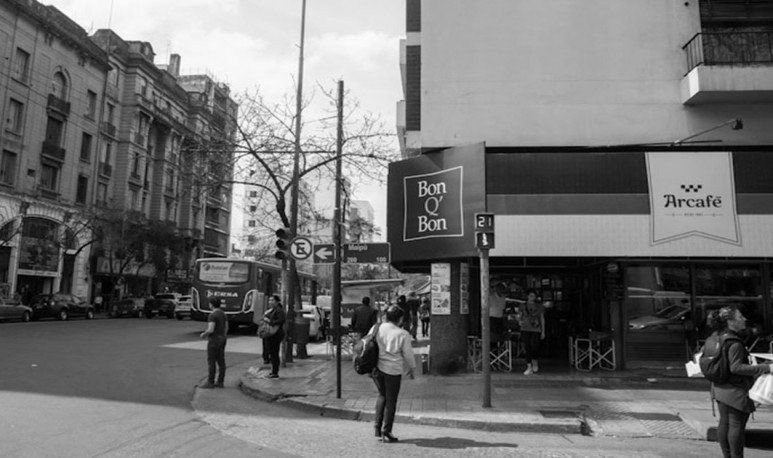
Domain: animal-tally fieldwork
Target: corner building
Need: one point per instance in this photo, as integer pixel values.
(625, 148)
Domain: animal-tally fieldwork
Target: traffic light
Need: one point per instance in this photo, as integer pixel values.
(283, 240)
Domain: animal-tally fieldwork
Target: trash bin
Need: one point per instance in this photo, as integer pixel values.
(302, 327)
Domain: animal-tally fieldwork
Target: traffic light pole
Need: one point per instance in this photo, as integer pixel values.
(337, 221)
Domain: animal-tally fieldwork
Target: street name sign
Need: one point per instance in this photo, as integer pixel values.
(364, 253)
(301, 248)
(324, 253)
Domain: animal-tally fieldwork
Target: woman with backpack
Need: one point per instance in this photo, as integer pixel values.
(732, 391)
(394, 354)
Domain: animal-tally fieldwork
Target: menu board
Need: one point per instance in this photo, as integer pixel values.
(464, 288)
(441, 288)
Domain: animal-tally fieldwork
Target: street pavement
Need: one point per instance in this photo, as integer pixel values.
(126, 387)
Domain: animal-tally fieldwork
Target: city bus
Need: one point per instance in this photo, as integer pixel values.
(242, 285)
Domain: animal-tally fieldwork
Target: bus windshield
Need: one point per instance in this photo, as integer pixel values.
(233, 273)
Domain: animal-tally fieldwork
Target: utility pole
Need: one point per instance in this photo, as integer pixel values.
(484, 326)
(337, 222)
(292, 287)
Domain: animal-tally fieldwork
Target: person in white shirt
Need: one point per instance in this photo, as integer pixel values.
(395, 354)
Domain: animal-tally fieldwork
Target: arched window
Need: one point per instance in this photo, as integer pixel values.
(59, 85)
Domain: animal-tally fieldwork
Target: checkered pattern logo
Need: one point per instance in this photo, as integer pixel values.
(691, 187)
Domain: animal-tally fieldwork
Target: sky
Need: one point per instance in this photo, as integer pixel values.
(254, 43)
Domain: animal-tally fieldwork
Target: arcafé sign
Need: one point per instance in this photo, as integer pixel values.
(433, 205)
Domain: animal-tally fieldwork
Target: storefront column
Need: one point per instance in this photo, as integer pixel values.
(448, 332)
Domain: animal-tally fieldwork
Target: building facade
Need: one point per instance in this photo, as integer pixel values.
(622, 147)
(100, 140)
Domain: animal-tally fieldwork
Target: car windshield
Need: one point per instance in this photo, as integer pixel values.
(671, 312)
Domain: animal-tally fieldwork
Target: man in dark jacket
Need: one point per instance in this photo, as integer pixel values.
(216, 335)
(364, 317)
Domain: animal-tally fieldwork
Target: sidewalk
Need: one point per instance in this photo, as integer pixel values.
(623, 403)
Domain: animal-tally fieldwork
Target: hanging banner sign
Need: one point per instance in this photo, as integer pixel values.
(692, 194)
(464, 288)
(441, 288)
(433, 205)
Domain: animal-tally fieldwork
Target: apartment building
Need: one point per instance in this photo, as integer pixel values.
(623, 147)
(96, 131)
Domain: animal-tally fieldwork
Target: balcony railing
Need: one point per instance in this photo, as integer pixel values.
(55, 103)
(109, 128)
(729, 48)
(105, 169)
(53, 151)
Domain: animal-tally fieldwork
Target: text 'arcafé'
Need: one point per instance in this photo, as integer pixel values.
(631, 247)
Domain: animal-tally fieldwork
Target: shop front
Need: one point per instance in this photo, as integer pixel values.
(636, 245)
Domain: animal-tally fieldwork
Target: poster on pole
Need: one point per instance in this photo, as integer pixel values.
(464, 288)
(441, 288)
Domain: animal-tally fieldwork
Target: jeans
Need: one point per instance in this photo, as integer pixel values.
(266, 358)
(531, 344)
(386, 405)
(273, 344)
(731, 432)
(424, 328)
(216, 356)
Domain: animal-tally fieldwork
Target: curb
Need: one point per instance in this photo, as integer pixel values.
(580, 427)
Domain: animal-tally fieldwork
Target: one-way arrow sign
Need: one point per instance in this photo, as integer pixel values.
(324, 253)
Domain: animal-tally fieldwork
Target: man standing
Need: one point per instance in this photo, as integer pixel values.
(217, 329)
(364, 318)
(413, 306)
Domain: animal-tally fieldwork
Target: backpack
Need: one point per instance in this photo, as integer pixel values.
(367, 361)
(714, 362)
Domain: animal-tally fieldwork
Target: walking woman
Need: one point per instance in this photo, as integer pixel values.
(394, 354)
(424, 316)
(275, 317)
(732, 397)
(532, 331)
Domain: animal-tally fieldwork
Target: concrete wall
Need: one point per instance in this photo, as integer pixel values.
(565, 72)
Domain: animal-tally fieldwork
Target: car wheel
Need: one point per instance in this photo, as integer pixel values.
(114, 312)
(62, 315)
(89, 314)
(170, 315)
(25, 317)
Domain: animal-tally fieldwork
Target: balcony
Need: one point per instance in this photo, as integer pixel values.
(728, 67)
(105, 169)
(53, 151)
(109, 128)
(57, 104)
(134, 176)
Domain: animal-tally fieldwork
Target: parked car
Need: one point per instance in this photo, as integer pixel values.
(14, 310)
(669, 317)
(317, 317)
(161, 304)
(132, 306)
(61, 306)
(183, 307)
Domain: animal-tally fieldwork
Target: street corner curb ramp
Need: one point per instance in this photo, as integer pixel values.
(322, 405)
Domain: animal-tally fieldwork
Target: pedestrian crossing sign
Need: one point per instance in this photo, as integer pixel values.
(484, 240)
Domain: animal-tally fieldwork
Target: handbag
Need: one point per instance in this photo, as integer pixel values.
(762, 391)
(265, 329)
(367, 361)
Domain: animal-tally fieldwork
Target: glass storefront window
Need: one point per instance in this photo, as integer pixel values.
(717, 286)
(659, 312)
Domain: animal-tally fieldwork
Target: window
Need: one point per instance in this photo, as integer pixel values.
(251, 223)
(54, 131)
(86, 141)
(82, 190)
(107, 150)
(49, 177)
(101, 194)
(135, 199)
(22, 67)
(112, 77)
(8, 167)
(253, 208)
(15, 116)
(59, 85)
(91, 104)
(169, 180)
(253, 193)
(136, 165)
(110, 113)
(142, 86)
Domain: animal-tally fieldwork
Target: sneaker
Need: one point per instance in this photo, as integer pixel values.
(528, 370)
(535, 366)
(272, 376)
(207, 386)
